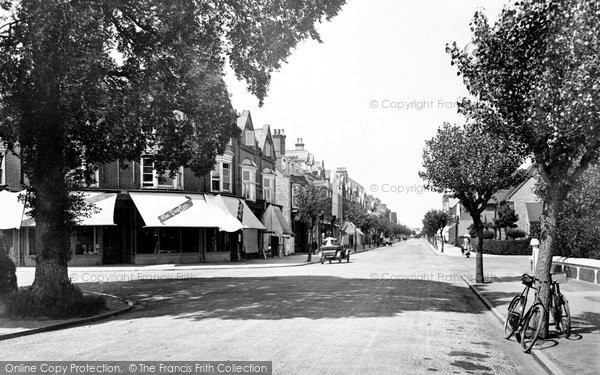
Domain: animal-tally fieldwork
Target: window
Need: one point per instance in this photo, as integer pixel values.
(221, 177)
(226, 177)
(96, 178)
(268, 188)
(249, 138)
(86, 241)
(268, 184)
(215, 178)
(249, 184)
(268, 150)
(151, 179)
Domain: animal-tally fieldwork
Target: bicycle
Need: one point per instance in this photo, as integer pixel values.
(559, 312)
(532, 322)
(514, 318)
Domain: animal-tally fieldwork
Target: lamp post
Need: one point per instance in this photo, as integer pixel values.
(535, 250)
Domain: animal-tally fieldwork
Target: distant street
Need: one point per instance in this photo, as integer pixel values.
(401, 309)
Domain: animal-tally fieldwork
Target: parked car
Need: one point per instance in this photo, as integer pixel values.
(387, 241)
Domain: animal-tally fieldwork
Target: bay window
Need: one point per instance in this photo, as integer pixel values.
(268, 184)
(220, 177)
(249, 169)
(249, 184)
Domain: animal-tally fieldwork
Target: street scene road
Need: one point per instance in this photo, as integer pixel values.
(398, 309)
(167, 168)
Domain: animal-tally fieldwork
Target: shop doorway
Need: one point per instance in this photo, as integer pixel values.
(274, 244)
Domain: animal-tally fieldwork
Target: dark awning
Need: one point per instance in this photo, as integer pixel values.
(274, 221)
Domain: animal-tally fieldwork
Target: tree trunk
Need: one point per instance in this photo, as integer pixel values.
(47, 170)
(442, 237)
(544, 262)
(479, 252)
(310, 242)
(52, 235)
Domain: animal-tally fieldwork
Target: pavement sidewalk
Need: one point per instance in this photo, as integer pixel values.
(576, 355)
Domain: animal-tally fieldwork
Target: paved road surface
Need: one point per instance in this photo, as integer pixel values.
(396, 310)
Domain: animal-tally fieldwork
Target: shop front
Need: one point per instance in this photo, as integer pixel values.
(278, 232)
(90, 238)
(252, 227)
(181, 228)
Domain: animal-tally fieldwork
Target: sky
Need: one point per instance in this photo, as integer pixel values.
(372, 93)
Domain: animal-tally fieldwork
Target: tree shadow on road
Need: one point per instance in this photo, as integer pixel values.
(271, 298)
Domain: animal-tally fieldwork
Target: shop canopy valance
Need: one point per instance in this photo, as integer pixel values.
(182, 210)
(101, 214)
(235, 205)
(11, 210)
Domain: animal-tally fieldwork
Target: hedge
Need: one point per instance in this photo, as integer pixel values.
(8, 279)
(65, 302)
(505, 247)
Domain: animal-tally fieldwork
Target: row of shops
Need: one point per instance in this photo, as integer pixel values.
(140, 227)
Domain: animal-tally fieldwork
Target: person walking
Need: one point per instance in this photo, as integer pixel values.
(466, 244)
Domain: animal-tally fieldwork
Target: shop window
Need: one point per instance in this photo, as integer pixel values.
(169, 240)
(158, 240)
(31, 241)
(86, 241)
(152, 179)
(147, 241)
(212, 241)
(190, 240)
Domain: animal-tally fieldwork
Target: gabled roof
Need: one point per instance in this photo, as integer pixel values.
(529, 173)
(262, 135)
(498, 196)
(245, 120)
(299, 179)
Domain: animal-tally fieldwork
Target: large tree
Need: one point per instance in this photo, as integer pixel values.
(434, 221)
(538, 68)
(471, 165)
(84, 83)
(314, 203)
(579, 221)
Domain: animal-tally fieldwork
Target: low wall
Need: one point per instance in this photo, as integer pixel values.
(578, 268)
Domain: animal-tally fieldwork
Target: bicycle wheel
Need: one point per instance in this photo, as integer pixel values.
(512, 318)
(564, 320)
(532, 325)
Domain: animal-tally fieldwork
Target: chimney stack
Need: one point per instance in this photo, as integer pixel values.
(279, 142)
(299, 144)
